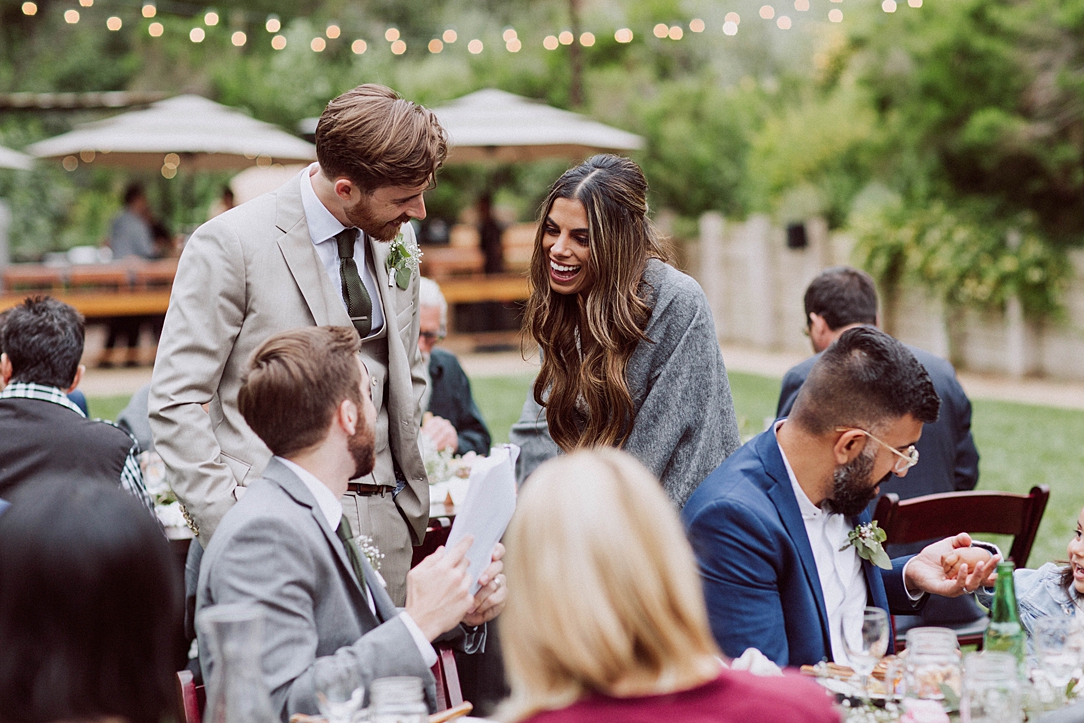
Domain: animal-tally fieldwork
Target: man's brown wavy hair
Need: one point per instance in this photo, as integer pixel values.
(375, 138)
(587, 339)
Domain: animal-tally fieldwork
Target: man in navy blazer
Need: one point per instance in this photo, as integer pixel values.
(770, 525)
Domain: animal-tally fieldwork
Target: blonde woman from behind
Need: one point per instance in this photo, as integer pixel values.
(605, 617)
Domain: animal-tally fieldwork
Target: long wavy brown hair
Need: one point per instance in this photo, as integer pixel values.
(586, 339)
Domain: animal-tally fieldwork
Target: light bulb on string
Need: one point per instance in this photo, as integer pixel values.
(732, 17)
(661, 30)
(550, 42)
(86, 3)
(783, 22)
(435, 46)
(196, 35)
(238, 39)
(676, 33)
(623, 35)
(333, 31)
(278, 42)
(359, 47)
(155, 30)
(71, 17)
(149, 10)
(449, 36)
(587, 39)
(30, 9)
(273, 24)
(835, 15)
(398, 47)
(211, 18)
(513, 46)
(391, 34)
(697, 25)
(767, 12)
(114, 23)
(566, 37)
(318, 45)
(475, 46)
(509, 35)
(730, 28)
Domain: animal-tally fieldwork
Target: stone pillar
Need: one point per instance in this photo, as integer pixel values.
(761, 305)
(711, 275)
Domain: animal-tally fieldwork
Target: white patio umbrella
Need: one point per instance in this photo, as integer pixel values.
(494, 126)
(205, 136)
(15, 160)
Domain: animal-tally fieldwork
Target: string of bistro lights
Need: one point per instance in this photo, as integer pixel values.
(397, 44)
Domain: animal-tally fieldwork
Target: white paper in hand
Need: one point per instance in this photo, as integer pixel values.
(488, 508)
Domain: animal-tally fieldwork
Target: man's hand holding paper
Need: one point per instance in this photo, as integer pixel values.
(485, 514)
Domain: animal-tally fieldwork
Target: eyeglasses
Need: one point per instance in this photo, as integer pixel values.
(431, 336)
(907, 459)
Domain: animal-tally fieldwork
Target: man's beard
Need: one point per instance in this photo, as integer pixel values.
(361, 445)
(360, 216)
(851, 489)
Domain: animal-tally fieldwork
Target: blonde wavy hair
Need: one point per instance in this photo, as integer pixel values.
(587, 340)
(603, 590)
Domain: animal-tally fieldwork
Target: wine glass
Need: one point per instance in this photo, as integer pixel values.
(339, 693)
(865, 640)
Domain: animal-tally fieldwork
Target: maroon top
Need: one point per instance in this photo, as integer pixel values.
(734, 697)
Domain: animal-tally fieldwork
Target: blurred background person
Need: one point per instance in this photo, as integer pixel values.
(453, 421)
(89, 605)
(605, 617)
(131, 235)
(630, 358)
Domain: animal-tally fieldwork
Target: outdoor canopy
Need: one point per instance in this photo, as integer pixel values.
(15, 160)
(497, 127)
(204, 134)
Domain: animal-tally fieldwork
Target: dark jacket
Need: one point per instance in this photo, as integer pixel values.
(451, 399)
(40, 439)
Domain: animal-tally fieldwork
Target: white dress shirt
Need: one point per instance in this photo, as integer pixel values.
(332, 510)
(840, 571)
(323, 227)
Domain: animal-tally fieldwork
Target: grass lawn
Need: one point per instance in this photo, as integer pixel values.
(1020, 445)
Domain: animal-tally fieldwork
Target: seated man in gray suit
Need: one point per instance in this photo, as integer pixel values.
(287, 547)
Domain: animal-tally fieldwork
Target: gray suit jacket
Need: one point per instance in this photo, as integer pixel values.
(244, 275)
(275, 549)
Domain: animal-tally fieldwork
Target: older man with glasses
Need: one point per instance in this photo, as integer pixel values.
(452, 420)
(787, 553)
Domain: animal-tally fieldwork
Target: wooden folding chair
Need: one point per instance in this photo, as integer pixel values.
(944, 515)
(190, 697)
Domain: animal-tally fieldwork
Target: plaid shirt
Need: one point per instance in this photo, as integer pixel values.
(131, 475)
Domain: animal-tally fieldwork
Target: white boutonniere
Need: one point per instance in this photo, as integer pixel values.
(372, 553)
(867, 539)
(402, 261)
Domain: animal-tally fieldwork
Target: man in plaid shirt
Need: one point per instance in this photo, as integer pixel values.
(42, 433)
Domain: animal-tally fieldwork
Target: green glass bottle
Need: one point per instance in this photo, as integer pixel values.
(1005, 631)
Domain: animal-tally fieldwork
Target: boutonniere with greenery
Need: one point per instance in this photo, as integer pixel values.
(867, 539)
(402, 261)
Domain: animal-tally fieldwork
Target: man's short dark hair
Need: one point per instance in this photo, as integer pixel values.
(295, 382)
(43, 339)
(132, 192)
(842, 296)
(866, 378)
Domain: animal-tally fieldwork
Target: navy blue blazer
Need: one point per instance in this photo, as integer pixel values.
(760, 579)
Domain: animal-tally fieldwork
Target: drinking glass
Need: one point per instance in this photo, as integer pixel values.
(931, 663)
(339, 693)
(1057, 644)
(991, 688)
(865, 640)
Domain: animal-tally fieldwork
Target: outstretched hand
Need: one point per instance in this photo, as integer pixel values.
(926, 573)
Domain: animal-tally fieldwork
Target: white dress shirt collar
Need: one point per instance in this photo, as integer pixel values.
(326, 500)
(322, 224)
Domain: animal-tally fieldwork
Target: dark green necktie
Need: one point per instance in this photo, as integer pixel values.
(358, 304)
(347, 536)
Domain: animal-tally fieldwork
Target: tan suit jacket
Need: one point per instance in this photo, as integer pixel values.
(243, 276)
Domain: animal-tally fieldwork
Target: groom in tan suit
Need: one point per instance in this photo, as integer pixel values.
(314, 252)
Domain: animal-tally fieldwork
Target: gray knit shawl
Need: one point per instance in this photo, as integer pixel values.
(684, 424)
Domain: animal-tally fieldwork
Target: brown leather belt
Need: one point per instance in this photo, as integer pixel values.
(368, 490)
